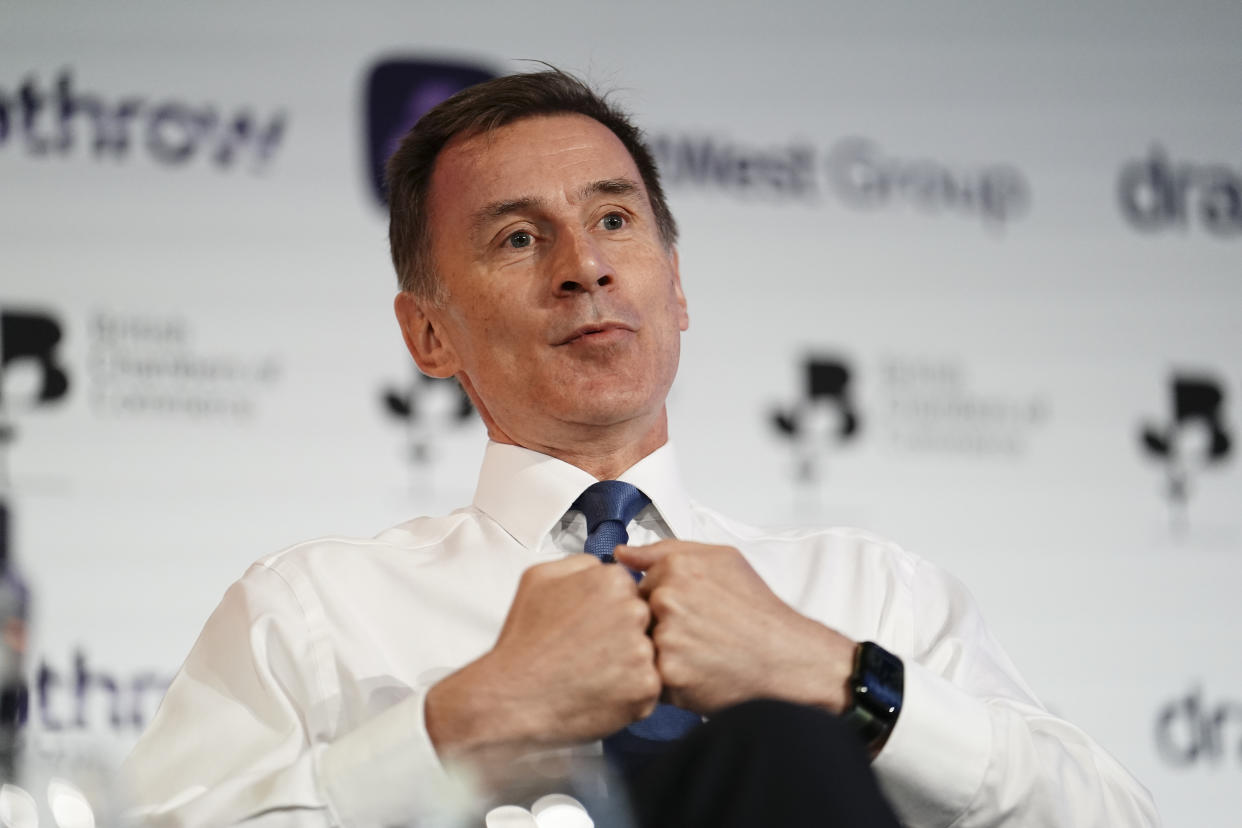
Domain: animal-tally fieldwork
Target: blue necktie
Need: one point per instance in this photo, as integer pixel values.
(608, 507)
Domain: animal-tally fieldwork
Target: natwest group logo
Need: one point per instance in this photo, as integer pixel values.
(859, 173)
(399, 92)
(59, 119)
(1158, 193)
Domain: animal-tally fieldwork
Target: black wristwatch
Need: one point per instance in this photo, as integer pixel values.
(875, 694)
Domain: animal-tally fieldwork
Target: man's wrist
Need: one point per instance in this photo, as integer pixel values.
(465, 716)
(875, 692)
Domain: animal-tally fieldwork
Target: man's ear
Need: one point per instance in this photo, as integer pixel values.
(678, 293)
(432, 353)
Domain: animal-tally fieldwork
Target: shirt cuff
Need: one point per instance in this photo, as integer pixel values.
(388, 772)
(934, 760)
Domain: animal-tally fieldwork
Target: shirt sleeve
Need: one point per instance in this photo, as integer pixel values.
(251, 729)
(972, 746)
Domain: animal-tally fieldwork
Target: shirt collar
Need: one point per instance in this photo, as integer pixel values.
(527, 492)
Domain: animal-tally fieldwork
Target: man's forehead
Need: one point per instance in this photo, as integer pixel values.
(564, 154)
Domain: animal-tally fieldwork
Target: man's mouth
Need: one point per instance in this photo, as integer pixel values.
(596, 332)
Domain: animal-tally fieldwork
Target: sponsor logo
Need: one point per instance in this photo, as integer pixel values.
(89, 698)
(399, 92)
(787, 173)
(915, 404)
(823, 418)
(1157, 193)
(933, 406)
(86, 698)
(1193, 438)
(31, 373)
(59, 119)
(856, 172)
(147, 365)
(75, 725)
(428, 407)
(1192, 730)
(866, 177)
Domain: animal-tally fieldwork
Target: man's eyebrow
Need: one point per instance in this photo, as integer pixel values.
(611, 186)
(499, 209)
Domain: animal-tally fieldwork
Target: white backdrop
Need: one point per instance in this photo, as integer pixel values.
(1009, 240)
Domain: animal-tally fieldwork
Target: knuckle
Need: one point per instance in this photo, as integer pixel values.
(618, 580)
(684, 566)
(672, 670)
(662, 602)
(642, 686)
(643, 653)
(638, 613)
(650, 686)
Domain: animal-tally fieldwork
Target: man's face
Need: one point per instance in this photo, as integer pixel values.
(564, 308)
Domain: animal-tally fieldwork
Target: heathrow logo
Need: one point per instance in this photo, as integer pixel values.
(1193, 438)
(59, 119)
(398, 93)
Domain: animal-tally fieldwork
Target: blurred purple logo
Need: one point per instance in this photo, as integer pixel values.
(399, 92)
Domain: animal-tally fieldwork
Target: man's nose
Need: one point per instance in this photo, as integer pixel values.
(581, 266)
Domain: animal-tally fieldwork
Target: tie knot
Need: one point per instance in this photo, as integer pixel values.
(610, 500)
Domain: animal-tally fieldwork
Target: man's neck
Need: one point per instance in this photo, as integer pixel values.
(604, 454)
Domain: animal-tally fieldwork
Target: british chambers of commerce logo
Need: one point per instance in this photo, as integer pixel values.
(428, 408)
(1194, 436)
(822, 418)
(398, 93)
(31, 372)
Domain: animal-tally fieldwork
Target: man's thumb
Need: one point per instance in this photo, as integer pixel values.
(638, 558)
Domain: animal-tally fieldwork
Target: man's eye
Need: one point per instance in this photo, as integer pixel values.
(521, 239)
(613, 221)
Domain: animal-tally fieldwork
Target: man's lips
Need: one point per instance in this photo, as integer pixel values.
(602, 330)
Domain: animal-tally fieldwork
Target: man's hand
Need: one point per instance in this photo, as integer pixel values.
(722, 637)
(573, 663)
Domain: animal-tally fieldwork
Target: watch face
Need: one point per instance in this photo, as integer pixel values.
(880, 682)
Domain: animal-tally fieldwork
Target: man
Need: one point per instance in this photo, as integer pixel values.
(338, 679)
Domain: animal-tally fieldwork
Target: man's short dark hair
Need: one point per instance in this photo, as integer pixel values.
(483, 108)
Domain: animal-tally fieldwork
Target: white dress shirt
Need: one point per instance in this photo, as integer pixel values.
(302, 701)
